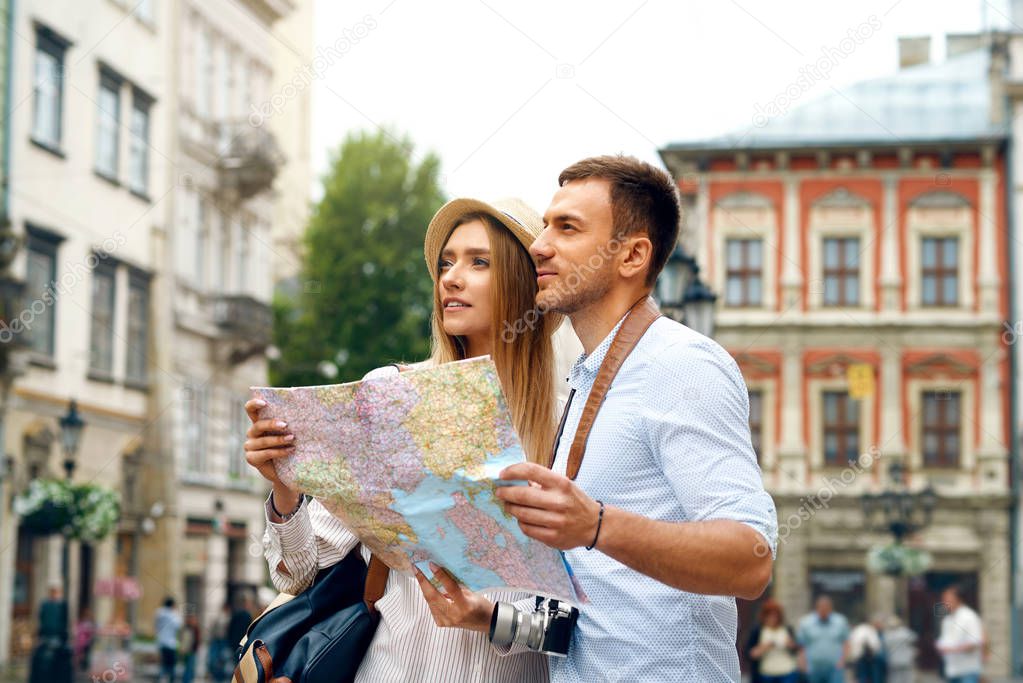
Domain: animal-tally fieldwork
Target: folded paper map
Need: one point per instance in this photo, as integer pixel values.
(410, 463)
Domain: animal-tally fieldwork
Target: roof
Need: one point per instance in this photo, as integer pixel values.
(945, 102)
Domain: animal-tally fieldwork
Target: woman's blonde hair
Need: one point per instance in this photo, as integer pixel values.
(522, 349)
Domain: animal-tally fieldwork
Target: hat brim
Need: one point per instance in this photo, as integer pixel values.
(444, 221)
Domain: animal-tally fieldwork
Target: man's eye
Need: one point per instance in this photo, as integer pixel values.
(568, 226)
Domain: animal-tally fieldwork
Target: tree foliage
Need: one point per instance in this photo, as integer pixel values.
(364, 296)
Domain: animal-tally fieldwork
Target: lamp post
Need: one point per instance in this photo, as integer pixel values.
(71, 425)
(900, 512)
(683, 296)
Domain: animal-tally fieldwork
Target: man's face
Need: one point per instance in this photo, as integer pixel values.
(575, 257)
(951, 599)
(823, 608)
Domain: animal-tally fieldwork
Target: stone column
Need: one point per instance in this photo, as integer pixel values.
(891, 282)
(792, 465)
(893, 442)
(987, 244)
(993, 576)
(992, 456)
(791, 585)
(215, 582)
(791, 273)
(105, 558)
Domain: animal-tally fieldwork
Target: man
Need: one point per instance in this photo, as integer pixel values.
(669, 496)
(823, 634)
(51, 659)
(168, 623)
(961, 642)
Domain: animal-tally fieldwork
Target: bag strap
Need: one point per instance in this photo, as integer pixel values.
(376, 582)
(637, 321)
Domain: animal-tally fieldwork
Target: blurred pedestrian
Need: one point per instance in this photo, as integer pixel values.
(900, 651)
(865, 653)
(241, 617)
(168, 624)
(823, 634)
(85, 636)
(188, 648)
(772, 647)
(51, 659)
(219, 657)
(961, 642)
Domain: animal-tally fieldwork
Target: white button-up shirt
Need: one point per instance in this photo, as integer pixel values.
(672, 443)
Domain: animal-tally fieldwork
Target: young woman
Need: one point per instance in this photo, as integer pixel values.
(484, 304)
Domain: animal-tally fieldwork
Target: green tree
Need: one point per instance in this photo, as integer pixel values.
(363, 297)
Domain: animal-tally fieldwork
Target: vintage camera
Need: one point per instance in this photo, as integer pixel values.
(547, 629)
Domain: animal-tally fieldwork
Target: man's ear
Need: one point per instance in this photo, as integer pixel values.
(637, 253)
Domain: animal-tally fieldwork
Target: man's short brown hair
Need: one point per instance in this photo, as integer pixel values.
(644, 199)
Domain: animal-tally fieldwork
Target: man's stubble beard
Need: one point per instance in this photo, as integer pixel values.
(591, 290)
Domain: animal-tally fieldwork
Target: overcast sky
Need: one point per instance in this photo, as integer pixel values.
(509, 93)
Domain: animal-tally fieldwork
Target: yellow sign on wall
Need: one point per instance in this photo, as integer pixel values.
(861, 380)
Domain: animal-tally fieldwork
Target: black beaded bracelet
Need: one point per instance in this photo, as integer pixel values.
(600, 520)
(301, 499)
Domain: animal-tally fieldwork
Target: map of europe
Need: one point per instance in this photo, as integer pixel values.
(409, 463)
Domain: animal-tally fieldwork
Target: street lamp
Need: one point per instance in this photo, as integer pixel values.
(698, 304)
(71, 425)
(900, 512)
(682, 294)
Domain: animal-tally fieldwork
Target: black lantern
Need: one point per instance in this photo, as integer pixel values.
(698, 304)
(683, 296)
(71, 426)
(896, 510)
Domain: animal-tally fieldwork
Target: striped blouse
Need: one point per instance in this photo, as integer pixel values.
(407, 646)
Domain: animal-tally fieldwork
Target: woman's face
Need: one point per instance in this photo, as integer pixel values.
(464, 285)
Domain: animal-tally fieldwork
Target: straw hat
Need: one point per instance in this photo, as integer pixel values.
(514, 214)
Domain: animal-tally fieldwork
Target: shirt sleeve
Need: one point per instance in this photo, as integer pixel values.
(696, 408)
(297, 549)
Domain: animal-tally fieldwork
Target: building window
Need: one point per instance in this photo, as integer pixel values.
(108, 124)
(101, 348)
(841, 271)
(204, 73)
(744, 272)
(138, 328)
(941, 428)
(841, 428)
(940, 272)
(236, 463)
(48, 88)
(242, 266)
(40, 275)
(223, 251)
(194, 401)
(756, 419)
(201, 240)
(138, 153)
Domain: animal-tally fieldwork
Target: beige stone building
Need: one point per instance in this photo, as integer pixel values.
(86, 193)
(145, 196)
(233, 179)
(858, 245)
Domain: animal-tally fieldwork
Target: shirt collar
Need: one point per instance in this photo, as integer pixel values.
(585, 369)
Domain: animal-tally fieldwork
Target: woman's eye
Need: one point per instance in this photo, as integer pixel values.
(480, 262)
(444, 265)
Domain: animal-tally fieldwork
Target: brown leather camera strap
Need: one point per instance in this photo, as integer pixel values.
(638, 320)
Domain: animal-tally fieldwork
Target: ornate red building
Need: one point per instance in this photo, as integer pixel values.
(858, 247)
